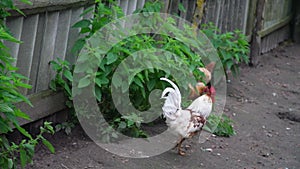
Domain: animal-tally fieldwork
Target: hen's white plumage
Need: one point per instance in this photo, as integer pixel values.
(184, 122)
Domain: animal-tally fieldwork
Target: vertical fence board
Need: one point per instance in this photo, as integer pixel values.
(246, 16)
(140, 4)
(73, 33)
(190, 10)
(37, 53)
(26, 50)
(132, 6)
(220, 21)
(61, 41)
(47, 50)
(124, 6)
(15, 25)
(231, 15)
(275, 12)
(241, 10)
(183, 14)
(174, 7)
(225, 17)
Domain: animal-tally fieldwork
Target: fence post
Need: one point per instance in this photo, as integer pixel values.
(296, 21)
(255, 38)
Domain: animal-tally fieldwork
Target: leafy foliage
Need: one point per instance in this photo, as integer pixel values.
(129, 125)
(139, 83)
(25, 149)
(220, 125)
(232, 47)
(10, 84)
(63, 80)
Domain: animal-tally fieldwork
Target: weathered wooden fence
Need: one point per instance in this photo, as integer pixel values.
(46, 34)
(276, 28)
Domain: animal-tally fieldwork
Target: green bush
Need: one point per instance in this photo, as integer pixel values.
(232, 47)
(143, 82)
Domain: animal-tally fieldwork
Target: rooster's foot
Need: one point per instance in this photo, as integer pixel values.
(181, 152)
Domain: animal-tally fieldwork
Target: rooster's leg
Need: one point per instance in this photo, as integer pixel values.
(177, 143)
(180, 151)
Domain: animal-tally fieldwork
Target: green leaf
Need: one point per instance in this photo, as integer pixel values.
(68, 130)
(5, 36)
(111, 58)
(53, 85)
(84, 82)
(101, 80)
(85, 30)
(5, 108)
(138, 82)
(181, 7)
(98, 93)
(55, 66)
(48, 145)
(19, 113)
(24, 85)
(86, 11)
(4, 127)
(117, 80)
(114, 135)
(69, 104)
(29, 149)
(82, 24)
(23, 157)
(151, 84)
(78, 45)
(68, 90)
(26, 2)
(23, 131)
(10, 163)
(130, 123)
(122, 125)
(68, 75)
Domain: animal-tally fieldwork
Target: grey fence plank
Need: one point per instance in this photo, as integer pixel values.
(219, 20)
(140, 4)
(37, 53)
(26, 50)
(132, 6)
(225, 18)
(174, 7)
(124, 6)
(47, 51)
(231, 14)
(61, 41)
(247, 6)
(73, 33)
(186, 6)
(190, 10)
(15, 24)
(183, 14)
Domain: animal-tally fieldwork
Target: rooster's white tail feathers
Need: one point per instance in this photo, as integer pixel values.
(173, 100)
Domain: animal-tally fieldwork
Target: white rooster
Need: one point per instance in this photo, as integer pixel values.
(186, 122)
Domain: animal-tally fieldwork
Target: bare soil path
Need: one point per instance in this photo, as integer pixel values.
(264, 103)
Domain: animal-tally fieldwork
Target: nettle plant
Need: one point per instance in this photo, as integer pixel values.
(10, 83)
(141, 83)
(232, 47)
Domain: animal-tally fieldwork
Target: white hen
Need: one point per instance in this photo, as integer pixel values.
(186, 122)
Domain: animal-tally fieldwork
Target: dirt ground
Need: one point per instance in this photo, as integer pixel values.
(264, 104)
